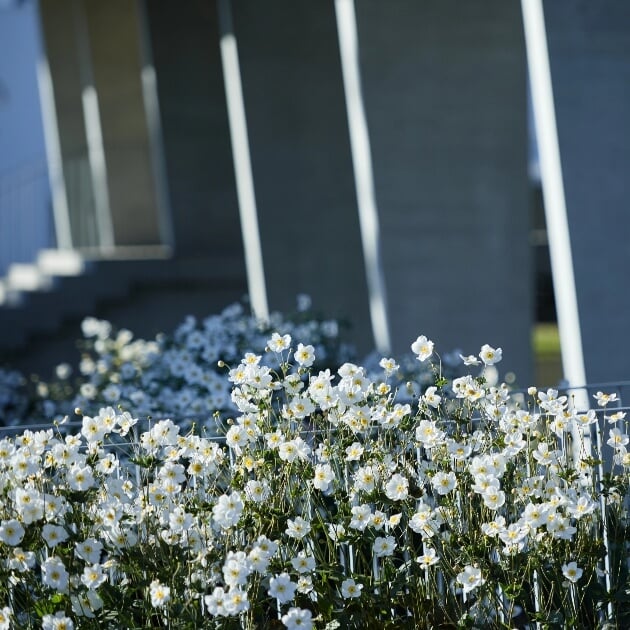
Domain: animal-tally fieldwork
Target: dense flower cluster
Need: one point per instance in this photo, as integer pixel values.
(178, 375)
(329, 502)
(175, 375)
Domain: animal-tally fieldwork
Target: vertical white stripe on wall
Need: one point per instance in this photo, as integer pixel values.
(553, 194)
(93, 132)
(61, 216)
(242, 163)
(363, 174)
(152, 110)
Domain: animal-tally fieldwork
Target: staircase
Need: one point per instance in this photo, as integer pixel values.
(144, 289)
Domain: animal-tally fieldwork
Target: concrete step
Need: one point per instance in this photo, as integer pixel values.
(138, 293)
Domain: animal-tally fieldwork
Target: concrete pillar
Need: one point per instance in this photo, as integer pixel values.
(93, 50)
(301, 161)
(185, 45)
(59, 29)
(590, 69)
(114, 41)
(444, 85)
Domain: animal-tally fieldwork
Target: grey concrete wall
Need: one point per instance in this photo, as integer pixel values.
(589, 48)
(185, 46)
(445, 92)
(301, 160)
(444, 87)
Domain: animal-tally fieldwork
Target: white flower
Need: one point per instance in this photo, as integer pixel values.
(470, 359)
(350, 589)
(493, 498)
(490, 355)
(305, 355)
(365, 478)
(428, 434)
(361, 515)
(299, 407)
(583, 506)
(324, 475)
(236, 569)
(236, 601)
(11, 532)
(354, 452)
(281, 588)
(298, 527)
(617, 438)
(336, 532)
(21, 560)
(305, 584)
(384, 546)
(298, 619)
(431, 398)
(603, 399)
(93, 576)
(215, 602)
(257, 491)
(470, 578)
(397, 488)
(93, 429)
(615, 417)
(444, 482)
(54, 574)
(294, 449)
(303, 563)
(513, 534)
(428, 558)
(58, 621)
(494, 528)
(86, 604)
(389, 365)
(80, 477)
(423, 522)
(227, 511)
(29, 504)
(394, 519)
(89, 550)
(278, 342)
(572, 572)
(160, 594)
(5, 618)
(422, 348)
(53, 535)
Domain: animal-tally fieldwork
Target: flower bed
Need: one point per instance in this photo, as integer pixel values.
(175, 375)
(331, 500)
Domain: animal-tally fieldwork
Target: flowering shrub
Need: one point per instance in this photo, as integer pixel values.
(328, 503)
(175, 375)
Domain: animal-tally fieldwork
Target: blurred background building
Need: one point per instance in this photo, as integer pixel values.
(162, 158)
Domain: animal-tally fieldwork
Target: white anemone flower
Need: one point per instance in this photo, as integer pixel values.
(384, 546)
(422, 348)
(490, 355)
(160, 594)
(298, 619)
(470, 578)
(282, 588)
(572, 572)
(351, 589)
